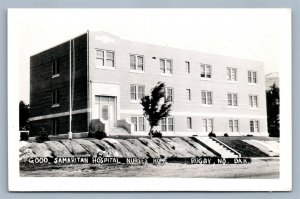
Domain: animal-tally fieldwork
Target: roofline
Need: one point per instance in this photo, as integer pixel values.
(60, 43)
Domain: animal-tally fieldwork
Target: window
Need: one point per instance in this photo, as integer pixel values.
(167, 124)
(205, 71)
(137, 92)
(166, 66)
(206, 97)
(55, 97)
(105, 58)
(254, 126)
(232, 99)
(188, 94)
(231, 74)
(207, 125)
(252, 77)
(54, 126)
(55, 68)
(169, 95)
(189, 123)
(137, 62)
(187, 67)
(138, 123)
(253, 101)
(233, 125)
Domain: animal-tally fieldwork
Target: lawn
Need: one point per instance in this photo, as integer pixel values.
(245, 149)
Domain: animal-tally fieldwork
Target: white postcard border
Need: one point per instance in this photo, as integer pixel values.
(17, 183)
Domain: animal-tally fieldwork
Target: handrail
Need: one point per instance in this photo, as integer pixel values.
(237, 153)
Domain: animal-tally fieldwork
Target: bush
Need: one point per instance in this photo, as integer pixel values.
(24, 135)
(95, 126)
(155, 134)
(100, 135)
(226, 135)
(211, 134)
(249, 135)
(41, 136)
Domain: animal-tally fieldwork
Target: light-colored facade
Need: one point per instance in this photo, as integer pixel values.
(209, 92)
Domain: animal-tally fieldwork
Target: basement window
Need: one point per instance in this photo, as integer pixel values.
(167, 124)
(54, 126)
(233, 125)
(254, 126)
(138, 123)
(207, 125)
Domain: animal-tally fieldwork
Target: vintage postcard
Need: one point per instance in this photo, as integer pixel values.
(149, 99)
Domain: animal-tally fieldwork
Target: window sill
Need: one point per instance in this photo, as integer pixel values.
(231, 82)
(55, 105)
(54, 76)
(137, 71)
(166, 75)
(135, 101)
(106, 68)
(206, 105)
(234, 107)
(252, 84)
(254, 108)
(205, 79)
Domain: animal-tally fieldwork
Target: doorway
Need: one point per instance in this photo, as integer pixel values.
(106, 111)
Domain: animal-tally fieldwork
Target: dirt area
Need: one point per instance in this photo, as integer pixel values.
(259, 168)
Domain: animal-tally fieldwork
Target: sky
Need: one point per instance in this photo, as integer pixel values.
(255, 34)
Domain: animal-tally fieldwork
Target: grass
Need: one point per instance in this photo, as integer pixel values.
(245, 149)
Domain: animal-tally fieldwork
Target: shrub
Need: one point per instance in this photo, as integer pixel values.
(24, 135)
(211, 134)
(95, 125)
(225, 135)
(249, 135)
(155, 134)
(100, 135)
(41, 136)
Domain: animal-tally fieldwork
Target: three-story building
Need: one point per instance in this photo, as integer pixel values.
(109, 76)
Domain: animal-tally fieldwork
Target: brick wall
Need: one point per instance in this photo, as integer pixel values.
(42, 83)
(77, 124)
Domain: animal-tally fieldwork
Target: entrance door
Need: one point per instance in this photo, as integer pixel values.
(105, 106)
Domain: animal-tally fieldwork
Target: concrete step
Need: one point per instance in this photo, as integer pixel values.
(219, 148)
(118, 131)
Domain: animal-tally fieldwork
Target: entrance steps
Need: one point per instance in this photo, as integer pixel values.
(118, 131)
(217, 147)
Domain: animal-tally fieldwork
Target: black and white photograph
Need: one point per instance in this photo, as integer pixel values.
(149, 99)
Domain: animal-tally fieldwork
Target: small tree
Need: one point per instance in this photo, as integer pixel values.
(154, 111)
(273, 111)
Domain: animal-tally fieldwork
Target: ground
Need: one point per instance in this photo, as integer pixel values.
(265, 162)
(259, 168)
